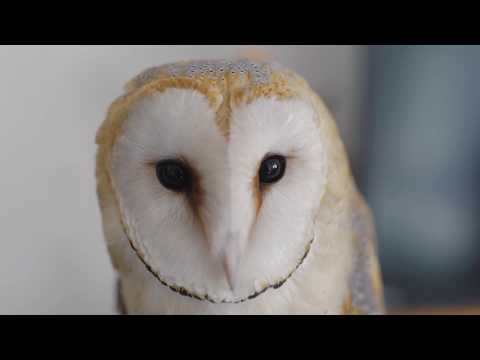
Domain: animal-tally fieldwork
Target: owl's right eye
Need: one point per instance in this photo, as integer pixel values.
(173, 175)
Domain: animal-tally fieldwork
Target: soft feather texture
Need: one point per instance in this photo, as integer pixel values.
(316, 199)
(268, 245)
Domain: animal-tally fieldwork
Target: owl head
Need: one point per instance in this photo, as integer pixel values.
(215, 174)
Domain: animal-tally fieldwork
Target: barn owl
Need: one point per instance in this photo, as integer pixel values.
(224, 188)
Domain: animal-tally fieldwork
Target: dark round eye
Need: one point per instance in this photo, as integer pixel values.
(173, 174)
(272, 169)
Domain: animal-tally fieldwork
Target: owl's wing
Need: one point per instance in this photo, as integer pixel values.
(366, 287)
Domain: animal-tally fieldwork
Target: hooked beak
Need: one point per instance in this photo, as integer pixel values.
(230, 260)
(230, 273)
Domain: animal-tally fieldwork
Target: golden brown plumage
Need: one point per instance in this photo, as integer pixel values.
(343, 216)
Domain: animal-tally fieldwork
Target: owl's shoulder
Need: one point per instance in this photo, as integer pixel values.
(366, 289)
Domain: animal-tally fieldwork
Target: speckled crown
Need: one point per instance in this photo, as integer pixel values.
(224, 83)
(255, 72)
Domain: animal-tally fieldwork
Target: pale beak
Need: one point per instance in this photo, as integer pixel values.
(230, 259)
(229, 273)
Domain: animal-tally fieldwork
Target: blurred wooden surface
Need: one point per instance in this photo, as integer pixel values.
(447, 310)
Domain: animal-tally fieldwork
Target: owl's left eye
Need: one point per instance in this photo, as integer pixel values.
(272, 169)
(173, 175)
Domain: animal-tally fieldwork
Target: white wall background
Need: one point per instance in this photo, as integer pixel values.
(52, 100)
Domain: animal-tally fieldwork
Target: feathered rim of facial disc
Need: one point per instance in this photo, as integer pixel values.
(185, 292)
